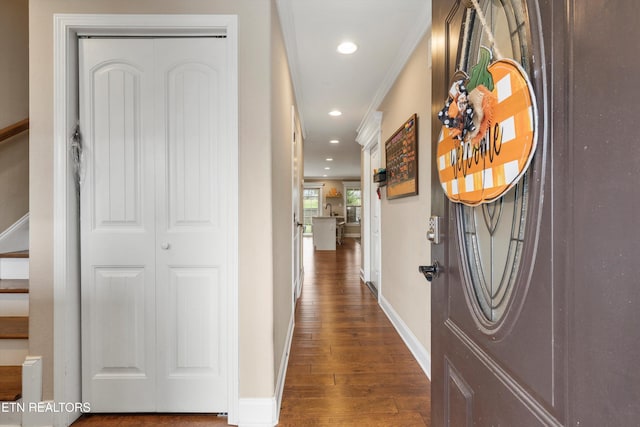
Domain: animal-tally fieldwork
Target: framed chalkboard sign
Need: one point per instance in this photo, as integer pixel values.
(402, 160)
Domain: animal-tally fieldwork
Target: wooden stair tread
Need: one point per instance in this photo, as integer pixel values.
(14, 327)
(10, 383)
(14, 286)
(17, 254)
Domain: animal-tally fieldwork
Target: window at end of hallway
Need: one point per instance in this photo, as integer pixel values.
(311, 206)
(353, 202)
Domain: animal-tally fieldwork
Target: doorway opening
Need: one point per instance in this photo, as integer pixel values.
(67, 28)
(312, 201)
(153, 112)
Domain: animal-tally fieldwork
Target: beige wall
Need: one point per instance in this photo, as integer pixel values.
(14, 106)
(256, 359)
(282, 98)
(404, 246)
(14, 179)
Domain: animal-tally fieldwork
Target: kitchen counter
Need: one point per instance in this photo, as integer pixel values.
(324, 232)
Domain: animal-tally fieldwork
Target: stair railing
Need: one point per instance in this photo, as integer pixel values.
(13, 130)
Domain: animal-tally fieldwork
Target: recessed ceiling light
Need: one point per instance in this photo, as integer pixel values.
(347, 48)
(334, 141)
(329, 159)
(327, 168)
(335, 113)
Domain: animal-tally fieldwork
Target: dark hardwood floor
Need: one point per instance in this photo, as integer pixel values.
(10, 383)
(142, 420)
(347, 367)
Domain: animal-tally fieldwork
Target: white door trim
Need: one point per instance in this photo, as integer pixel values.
(296, 185)
(66, 280)
(369, 136)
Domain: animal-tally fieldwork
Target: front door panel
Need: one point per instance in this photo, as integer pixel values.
(496, 359)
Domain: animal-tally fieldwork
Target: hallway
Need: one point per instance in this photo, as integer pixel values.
(348, 365)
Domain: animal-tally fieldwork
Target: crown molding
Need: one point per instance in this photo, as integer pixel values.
(369, 130)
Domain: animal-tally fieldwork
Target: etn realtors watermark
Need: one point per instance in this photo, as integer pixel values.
(44, 407)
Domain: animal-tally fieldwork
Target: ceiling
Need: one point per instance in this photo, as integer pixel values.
(386, 32)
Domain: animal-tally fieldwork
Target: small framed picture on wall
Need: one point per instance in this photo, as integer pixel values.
(402, 160)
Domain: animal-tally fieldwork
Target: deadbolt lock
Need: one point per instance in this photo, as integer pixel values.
(433, 230)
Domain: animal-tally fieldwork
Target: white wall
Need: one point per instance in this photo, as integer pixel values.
(404, 246)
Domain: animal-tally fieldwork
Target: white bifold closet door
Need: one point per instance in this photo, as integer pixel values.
(153, 115)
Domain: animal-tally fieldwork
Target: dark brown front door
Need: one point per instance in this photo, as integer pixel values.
(535, 312)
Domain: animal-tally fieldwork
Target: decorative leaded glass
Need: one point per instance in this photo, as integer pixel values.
(492, 236)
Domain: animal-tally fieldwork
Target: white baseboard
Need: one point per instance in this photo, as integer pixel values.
(39, 415)
(30, 411)
(362, 275)
(265, 412)
(39, 419)
(417, 349)
(11, 414)
(282, 373)
(257, 412)
(16, 237)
